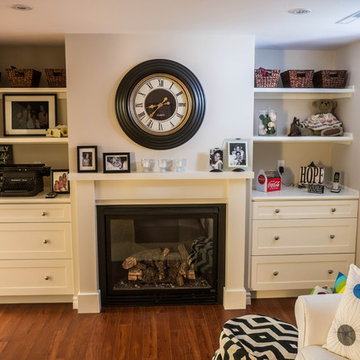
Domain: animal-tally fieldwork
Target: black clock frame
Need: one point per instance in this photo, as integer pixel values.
(128, 124)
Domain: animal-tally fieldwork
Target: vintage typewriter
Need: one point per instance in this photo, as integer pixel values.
(22, 179)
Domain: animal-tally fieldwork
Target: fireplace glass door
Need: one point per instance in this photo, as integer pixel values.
(161, 254)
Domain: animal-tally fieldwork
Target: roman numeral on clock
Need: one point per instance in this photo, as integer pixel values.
(150, 124)
(161, 82)
(182, 104)
(160, 127)
(141, 115)
(139, 105)
(149, 85)
(179, 115)
(179, 93)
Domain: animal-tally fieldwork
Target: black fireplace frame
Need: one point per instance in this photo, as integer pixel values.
(153, 297)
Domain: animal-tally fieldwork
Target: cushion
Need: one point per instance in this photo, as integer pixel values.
(317, 353)
(257, 337)
(344, 335)
(318, 290)
(340, 283)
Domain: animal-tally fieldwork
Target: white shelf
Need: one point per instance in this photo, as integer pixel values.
(302, 93)
(60, 92)
(32, 140)
(347, 139)
(294, 193)
(196, 175)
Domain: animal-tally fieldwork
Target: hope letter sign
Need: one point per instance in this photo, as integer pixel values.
(311, 175)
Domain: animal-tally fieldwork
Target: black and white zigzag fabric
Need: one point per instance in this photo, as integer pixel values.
(257, 337)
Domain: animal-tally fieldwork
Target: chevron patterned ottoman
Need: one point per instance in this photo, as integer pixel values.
(257, 337)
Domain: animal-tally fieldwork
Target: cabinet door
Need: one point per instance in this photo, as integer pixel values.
(35, 213)
(36, 277)
(297, 271)
(326, 209)
(307, 236)
(35, 241)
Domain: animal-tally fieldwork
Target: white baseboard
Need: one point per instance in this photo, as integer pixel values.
(248, 298)
(88, 302)
(36, 299)
(234, 299)
(267, 294)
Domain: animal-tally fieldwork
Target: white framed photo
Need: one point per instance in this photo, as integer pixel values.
(237, 153)
(87, 158)
(116, 162)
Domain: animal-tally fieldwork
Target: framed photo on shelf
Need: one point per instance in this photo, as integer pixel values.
(216, 160)
(238, 154)
(87, 159)
(116, 162)
(29, 114)
(60, 181)
(6, 154)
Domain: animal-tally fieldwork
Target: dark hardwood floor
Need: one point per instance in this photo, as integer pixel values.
(55, 331)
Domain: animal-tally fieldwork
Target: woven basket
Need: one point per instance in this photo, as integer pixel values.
(23, 77)
(56, 77)
(266, 78)
(297, 78)
(330, 79)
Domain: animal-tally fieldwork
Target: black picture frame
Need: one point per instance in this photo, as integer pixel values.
(87, 159)
(238, 154)
(116, 162)
(60, 183)
(216, 160)
(28, 114)
(6, 154)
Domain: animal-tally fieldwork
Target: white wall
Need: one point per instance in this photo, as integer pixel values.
(346, 158)
(96, 63)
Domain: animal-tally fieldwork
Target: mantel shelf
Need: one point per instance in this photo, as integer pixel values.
(196, 175)
(302, 93)
(346, 139)
(32, 140)
(60, 92)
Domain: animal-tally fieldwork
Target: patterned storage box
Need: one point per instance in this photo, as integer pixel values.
(56, 77)
(330, 79)
(297, 78)
(23, 77)
(266, 78)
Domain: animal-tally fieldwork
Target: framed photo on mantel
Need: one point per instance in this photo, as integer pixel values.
(87, 159)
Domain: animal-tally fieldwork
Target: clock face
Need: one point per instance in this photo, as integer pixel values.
(160, 104)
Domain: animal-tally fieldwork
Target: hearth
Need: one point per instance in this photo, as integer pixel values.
(161, 254)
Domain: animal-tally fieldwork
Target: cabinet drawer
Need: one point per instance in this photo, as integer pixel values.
(297, 271)
(35, 241)
(36, 277)
(35, 213)
(303, 236)
(305, 209)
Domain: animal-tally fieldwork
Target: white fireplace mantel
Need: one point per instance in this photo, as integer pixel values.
(91, 189)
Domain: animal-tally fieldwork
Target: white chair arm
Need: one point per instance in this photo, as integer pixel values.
(314, 315)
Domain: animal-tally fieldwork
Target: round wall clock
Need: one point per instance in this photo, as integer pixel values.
(160, 104)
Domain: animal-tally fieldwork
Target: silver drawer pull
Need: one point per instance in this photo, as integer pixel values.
(43, 213)
(47, 277)
(332, 236)
(45, 241)
(277, 211)
(333, 210)
(275, 273)
(330, 271)
(276, 237)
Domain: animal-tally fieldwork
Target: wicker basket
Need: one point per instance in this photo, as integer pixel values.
(330, 79)
(23, 77)
(56, 77)
(266, 78)
(297, 78)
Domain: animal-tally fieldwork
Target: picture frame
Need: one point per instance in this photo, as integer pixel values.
(116, 162)
(238, 158)
(6, 154)
(87, 158)
(60, 183)
(216, 160)
(28, 114)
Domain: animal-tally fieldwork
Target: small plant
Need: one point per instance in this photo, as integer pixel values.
(267, 123)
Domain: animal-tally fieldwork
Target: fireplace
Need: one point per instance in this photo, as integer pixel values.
(161, 254)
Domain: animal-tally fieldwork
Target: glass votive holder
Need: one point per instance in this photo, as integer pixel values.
(148, 165)
(165, 165)
(180, 165)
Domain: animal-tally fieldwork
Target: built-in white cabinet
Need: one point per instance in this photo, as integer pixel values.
(300, 240)
(35, 246)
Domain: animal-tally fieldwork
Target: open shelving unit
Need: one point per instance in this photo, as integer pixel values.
(60, 92)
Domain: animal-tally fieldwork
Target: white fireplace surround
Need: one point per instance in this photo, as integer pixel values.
(89, 190)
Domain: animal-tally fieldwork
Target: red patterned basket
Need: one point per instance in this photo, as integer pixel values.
(330, 79)
(266, 78)
(297, 78)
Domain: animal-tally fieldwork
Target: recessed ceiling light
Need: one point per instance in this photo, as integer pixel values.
(299, 11)
(350, 18)
(22, 7)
